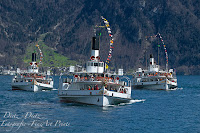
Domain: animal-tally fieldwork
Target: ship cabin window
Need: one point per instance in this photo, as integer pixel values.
(95, 64)
(101, 75)
(90, 63)
(90, 87)
(112, 88)
(101, 64)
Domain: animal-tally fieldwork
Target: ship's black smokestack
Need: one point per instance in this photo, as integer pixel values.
(95, 43)
(33, 57)
(151, 56)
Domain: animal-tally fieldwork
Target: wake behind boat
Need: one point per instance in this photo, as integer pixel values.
(95, 86)
(32, 80)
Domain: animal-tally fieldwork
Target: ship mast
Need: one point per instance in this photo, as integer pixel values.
(146, 51)
(158, 51)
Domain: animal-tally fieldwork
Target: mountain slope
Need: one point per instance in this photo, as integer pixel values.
(71, 26)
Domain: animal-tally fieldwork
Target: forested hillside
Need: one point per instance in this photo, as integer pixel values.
(68, 28)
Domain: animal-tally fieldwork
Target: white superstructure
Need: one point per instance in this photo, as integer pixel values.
(32, 80)
(95, 86)
(154, 78)
(95, 65)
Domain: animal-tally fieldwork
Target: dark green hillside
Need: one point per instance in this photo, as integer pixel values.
(70, 27)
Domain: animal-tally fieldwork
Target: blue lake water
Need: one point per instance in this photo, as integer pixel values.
(162, 111)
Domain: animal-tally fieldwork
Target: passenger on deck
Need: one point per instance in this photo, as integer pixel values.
(89, 87)
(96, 87)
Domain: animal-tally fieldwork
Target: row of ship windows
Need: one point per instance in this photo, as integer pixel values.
(33, 67)
(95, 64)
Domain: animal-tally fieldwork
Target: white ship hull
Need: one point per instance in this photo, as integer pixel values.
(94, 97)
(155, 85)
(29, 86)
